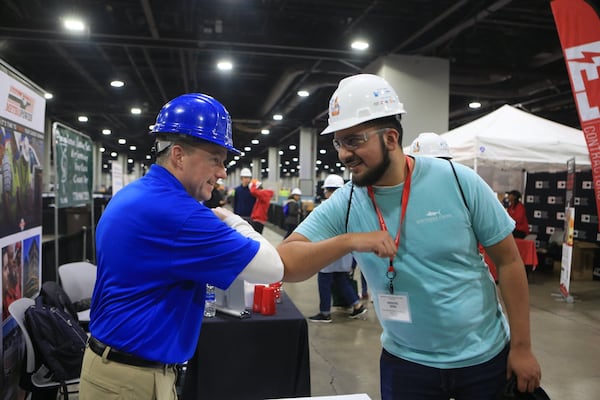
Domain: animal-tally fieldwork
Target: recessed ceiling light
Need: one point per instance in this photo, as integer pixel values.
(292, 147)
(136, 110)
(74, 24)
(225, 65)
(48, 96)
(82, 118)
(122, 141)
(132, 147)
(247, 148)
(303, 93)
(265, 131)
(117, 83)
(360, 45)
(474, 104)
(113, 154)
(255, 141)
(106, 132)
(148, 156)
(323, 151)
(277, 117)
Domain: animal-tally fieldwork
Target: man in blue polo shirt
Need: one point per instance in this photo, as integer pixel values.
(158, 246)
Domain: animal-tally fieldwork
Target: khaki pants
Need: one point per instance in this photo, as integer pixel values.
(104, 379)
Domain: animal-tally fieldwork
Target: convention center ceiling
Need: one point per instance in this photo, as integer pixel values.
(500, 52)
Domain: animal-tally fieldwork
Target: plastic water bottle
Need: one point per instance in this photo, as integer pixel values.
(210, 306)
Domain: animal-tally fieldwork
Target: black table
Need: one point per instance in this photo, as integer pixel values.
(259, 357)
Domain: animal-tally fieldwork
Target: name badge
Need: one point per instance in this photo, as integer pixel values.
(394, 307)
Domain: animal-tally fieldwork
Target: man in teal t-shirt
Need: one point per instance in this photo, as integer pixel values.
(413, 225)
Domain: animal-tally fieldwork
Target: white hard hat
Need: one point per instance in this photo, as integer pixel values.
(297, 191)
(246, 173)
(430, 144)
(333, 181)
(361, 98)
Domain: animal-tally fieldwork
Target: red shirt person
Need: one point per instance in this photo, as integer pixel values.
(260, 211)
(516, 210)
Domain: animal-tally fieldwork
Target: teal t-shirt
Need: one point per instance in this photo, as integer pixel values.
(456, 319)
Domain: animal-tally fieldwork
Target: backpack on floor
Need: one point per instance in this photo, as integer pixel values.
(58, 340)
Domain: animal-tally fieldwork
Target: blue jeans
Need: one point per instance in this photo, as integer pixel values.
(342, 281)
(405, 380)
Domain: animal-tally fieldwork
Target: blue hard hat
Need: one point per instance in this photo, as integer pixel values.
(199, 116)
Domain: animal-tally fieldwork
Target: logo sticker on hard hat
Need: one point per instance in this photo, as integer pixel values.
(334, 107)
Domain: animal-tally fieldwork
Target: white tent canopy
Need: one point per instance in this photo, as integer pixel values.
(512, 139)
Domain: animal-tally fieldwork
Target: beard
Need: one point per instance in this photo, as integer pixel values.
(374, 174)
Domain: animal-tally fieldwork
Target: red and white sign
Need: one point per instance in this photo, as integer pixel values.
(578, 28)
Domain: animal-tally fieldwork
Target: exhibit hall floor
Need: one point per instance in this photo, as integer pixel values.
(344, 354)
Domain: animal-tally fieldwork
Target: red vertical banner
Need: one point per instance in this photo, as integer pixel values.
(578, 28)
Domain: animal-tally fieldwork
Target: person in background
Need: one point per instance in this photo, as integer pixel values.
(517, 212)
(217, 198)
(292, 211)
(243, 201)
(430, 144)
(445, 334)
(337, 273)
(158, 247)
(260, 211)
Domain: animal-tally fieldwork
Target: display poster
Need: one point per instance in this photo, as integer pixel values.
(578, 28)
(569, 229)
(22, 112)
(117, 176)
(74, 166)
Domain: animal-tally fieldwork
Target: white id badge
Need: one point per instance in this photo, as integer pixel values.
(394, 307)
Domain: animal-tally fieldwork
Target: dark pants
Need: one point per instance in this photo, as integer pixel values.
(258, 226)
(342, 281)
(405, 380)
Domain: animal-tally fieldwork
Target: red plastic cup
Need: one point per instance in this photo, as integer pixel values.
(258, 294)
(268, 301)
(277, 287)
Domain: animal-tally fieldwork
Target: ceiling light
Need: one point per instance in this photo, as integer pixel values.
(360, 45)
(265, 131)
(113, 154)
(303, 93)
(136, 110)
(102, 149)
(295, 159)
(122, 141)
(292, 147)
(74, 25)
(225, 65)
(236, 157)
(106, 132)
(319, 162)
(132, 147)
(323, 151)
(277, 117)
(130, 160)
(117, 83)
(280, 152)
(48, 96)
(255, 141)
(247, 148)
(474, 104)
(82, 118)
(148, 156)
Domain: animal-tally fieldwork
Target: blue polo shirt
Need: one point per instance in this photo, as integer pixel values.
(157, 248)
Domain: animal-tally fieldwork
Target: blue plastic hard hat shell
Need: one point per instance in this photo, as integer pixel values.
(197, 115)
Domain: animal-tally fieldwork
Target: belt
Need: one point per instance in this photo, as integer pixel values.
(124, 358)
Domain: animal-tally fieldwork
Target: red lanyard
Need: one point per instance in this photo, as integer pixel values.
(391, 272)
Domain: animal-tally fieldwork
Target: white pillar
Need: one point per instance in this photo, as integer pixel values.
(423, 86)
(308, 158)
